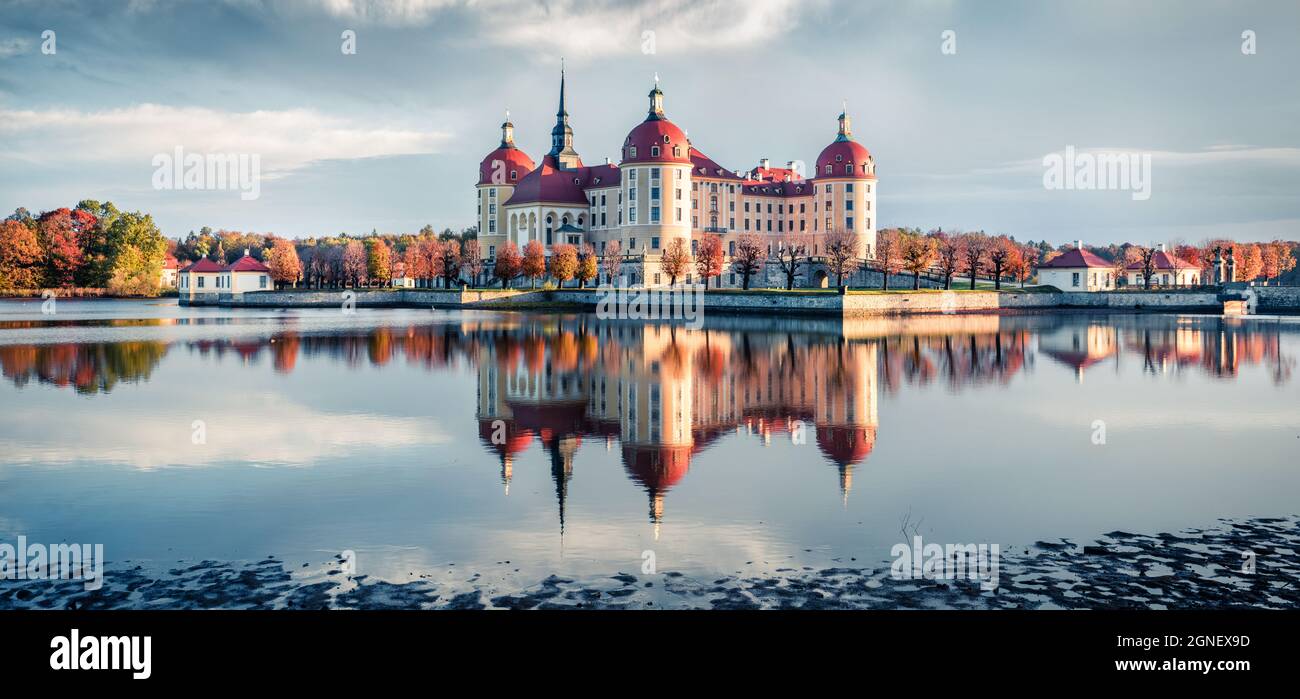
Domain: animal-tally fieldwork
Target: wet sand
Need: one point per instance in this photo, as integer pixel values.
(1192, 569)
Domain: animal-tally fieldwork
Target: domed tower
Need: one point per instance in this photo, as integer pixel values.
(655, 181)
(498, 174)
(846, 188)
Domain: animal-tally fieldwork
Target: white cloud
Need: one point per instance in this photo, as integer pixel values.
(595, 27)
(285, 140)
(263, 429)
(13, 47)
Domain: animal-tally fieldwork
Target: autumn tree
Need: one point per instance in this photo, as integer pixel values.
(889, 244)
(842, 253)
(748, 259)
(415, 263)
(588, 268)
(791, 253)
(949, 256)
(431, 249)
(471, 259)
(509, 264)
(379, 261)
(564, 263)
(63, 258)
(1250, 263)
(286, 267)
(137, 250)
(974, 251)
(612, 261)
(1277, 258)
(675, 260)
(21, 259)
(451, 262)
(354, 262)
(1146, 258)
(709, 258)
(534, 264)
(1001, 250)
(918, 255)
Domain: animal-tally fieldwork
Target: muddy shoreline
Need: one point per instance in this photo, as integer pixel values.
(1192, 569)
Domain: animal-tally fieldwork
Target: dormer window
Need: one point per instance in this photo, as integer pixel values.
(677, 151)
(665, 138)
(848, 169)
(828, 168)
(514, 175)
(577, 181)
(654, 151)
(631, 151)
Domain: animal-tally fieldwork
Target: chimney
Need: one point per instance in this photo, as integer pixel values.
(1078, 244)
(1161, 247)
(608, 161)
(765, 163)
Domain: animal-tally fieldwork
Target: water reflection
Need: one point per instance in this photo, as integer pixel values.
(662, 394)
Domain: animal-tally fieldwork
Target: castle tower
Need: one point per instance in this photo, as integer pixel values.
(655, 180)
(850, 171)
(498, 174)
(566, 158)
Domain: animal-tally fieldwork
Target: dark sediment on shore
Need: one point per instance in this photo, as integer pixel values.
(1198, 568)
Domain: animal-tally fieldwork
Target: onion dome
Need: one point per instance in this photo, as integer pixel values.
(656, 140)
(846, 445)
(514, 163)
(844, 156)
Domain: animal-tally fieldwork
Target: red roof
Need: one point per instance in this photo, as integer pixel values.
(1163, 260)
(704, 166)
(204, 265)
(1075, 258)
(171, 262)
(247, 263)
(549, 183)
(512, 159)
(800, 188)
(841, 154)
(846, 445)
(673, 147)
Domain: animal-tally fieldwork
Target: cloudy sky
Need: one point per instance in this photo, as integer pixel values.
(389, 138)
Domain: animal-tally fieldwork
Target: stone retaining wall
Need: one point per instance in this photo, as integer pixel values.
(1270, 299)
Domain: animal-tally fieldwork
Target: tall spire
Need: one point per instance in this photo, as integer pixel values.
(561, 112)
(507, 132)
(562, 151)
(846, 129)
(656, 102)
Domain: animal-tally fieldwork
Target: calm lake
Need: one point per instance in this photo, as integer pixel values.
(517, 446)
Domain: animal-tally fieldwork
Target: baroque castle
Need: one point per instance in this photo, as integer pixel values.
(665, 189)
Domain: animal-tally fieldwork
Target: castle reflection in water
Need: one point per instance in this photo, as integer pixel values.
(662, 394)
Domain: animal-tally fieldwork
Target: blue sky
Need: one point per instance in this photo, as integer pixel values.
(389, 138)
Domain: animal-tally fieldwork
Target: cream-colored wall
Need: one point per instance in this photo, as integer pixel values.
(1090, 278)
